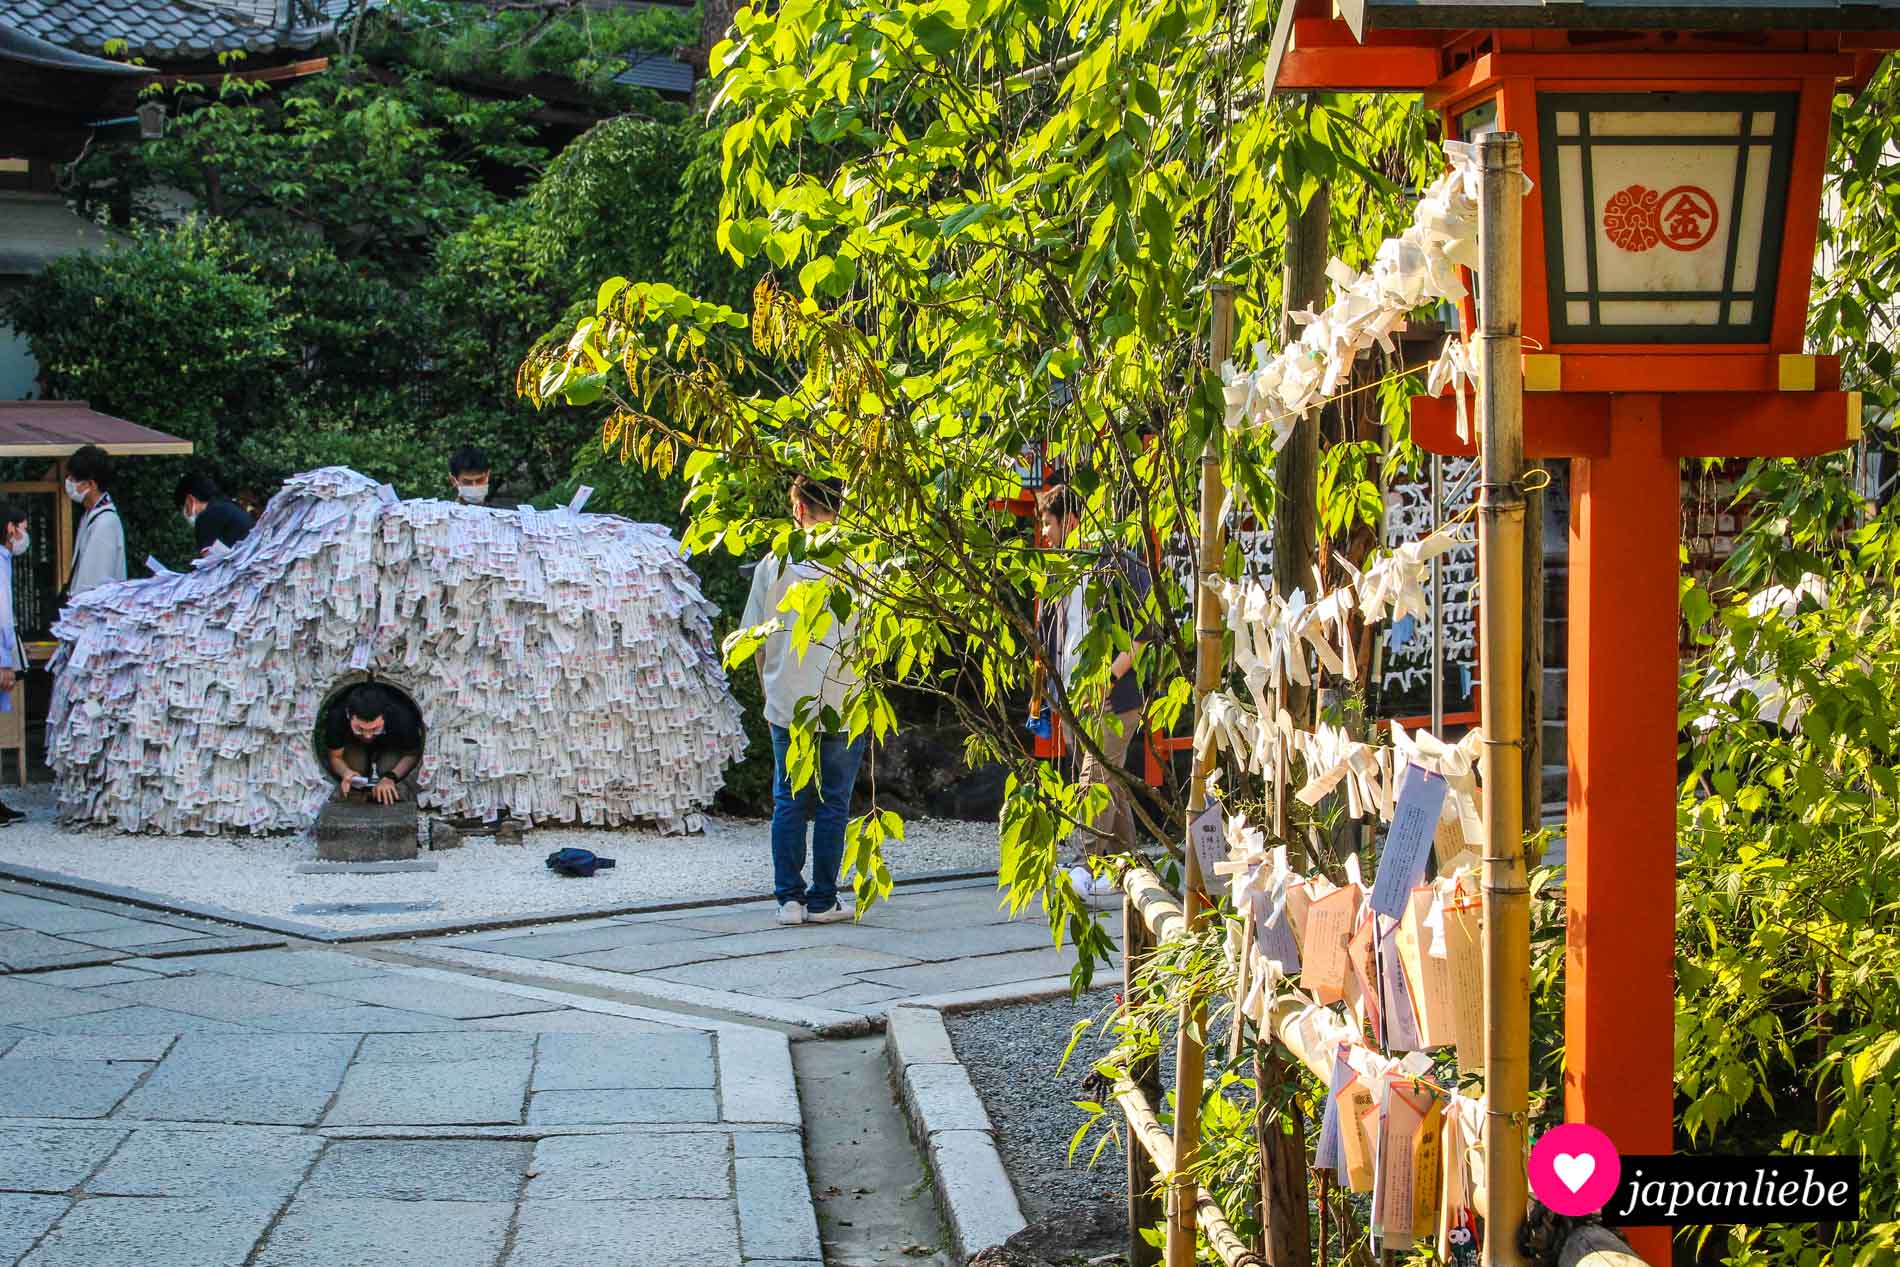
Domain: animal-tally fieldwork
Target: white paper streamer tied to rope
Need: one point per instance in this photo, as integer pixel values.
(1394, 584)
(1419, 266)
(1456, 763)
(1334, 759)
(1455, 369)
(1449, 886)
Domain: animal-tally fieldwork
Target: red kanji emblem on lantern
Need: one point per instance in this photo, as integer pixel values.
(1688, 217)
(1632, 219)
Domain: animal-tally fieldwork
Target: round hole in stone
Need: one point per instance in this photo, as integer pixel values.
(333, 698)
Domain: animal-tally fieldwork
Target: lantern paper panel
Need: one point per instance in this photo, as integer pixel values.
(1663, 214)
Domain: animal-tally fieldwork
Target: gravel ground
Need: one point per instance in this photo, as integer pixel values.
(482, 880)
(1012, 1054)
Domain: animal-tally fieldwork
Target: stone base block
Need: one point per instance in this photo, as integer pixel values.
(352, 832)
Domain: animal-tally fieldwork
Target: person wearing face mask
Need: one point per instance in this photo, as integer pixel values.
(469, 477)
(213, 516)
(12, 654)
(99, 541)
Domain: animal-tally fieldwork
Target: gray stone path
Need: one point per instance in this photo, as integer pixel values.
(941, 944)
(309, 1108)
(41, 929)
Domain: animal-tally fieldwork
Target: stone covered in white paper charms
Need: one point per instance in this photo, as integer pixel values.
(564, 666)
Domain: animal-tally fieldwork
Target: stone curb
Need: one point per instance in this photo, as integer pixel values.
(953, 1130)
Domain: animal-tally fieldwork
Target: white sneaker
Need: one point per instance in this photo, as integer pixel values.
(791, 912)
(836, 915)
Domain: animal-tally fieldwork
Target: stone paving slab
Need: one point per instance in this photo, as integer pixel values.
(776, 1215)
(35, 1087)
(423, 1170)
(24, 1001)
(673, 1231)
(648, 958)
(581, 1062)
(27, 949)
(786, 974)
(123, 1018)
(286, 1079)
(153, 1232)
(963, 974)
(630, 1168)
(355, 1018)
(95, 1046)
(24, 1219)
(463, 1092)
(84, 978)
(589, 1108)
(324, 1232)
(293, 967)
(444, 1046)
(218, 998)
(560, 941)
(436, 998)
(264, 1166)
(49, 1159)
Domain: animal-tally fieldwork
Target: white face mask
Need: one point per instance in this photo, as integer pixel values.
(24, 544)
(473, 493)
(192, 518)
(72, 489)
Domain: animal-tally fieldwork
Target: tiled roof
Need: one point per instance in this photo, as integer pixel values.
(178, 30)
(658, 72)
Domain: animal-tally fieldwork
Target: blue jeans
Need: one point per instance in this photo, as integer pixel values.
(825, 803)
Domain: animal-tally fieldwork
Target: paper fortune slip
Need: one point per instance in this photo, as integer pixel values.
(564, 666)
(1408, 842)
(1208, 833)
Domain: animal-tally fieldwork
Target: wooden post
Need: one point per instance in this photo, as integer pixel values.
(1283, 1169)
(1144, 1206)
(1190, 1053)
(63, 562)
(1296, 470)
(1507, 954)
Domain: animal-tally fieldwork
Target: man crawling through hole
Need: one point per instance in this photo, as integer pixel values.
(373, 742)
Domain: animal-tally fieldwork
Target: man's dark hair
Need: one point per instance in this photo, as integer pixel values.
(819, 496)
(467, 460)
(197, 484)
(11, 513)
(1060, 500)
(91, 463)
(367, 703)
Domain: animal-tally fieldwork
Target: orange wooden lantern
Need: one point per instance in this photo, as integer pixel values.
(1678, 151)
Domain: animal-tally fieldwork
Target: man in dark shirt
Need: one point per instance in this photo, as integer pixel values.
(373, 734)
(212, 516)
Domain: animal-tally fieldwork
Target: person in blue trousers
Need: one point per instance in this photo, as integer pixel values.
(17, 540)
(819, 681)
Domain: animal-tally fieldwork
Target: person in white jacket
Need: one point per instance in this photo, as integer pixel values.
(17, 540)
(823, 676)
(99, 541)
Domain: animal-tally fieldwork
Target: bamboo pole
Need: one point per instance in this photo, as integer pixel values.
(1507, 986)
(1190, 1053)
(1144, 1207)
(1146, 1133)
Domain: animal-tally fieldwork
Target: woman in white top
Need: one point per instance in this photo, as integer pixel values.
(17, 540)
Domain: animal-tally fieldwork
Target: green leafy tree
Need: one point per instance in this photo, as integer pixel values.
(989, 232)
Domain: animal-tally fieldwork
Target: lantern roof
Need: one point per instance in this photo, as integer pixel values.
(1409, 45)
(1641, 15)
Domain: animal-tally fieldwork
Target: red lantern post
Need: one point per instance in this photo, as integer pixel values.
(1678, 153)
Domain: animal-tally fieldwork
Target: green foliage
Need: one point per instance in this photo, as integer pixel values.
(990, 231)
(1859, 270)
(579, 44)
(1788, 1006)
(180, 328)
